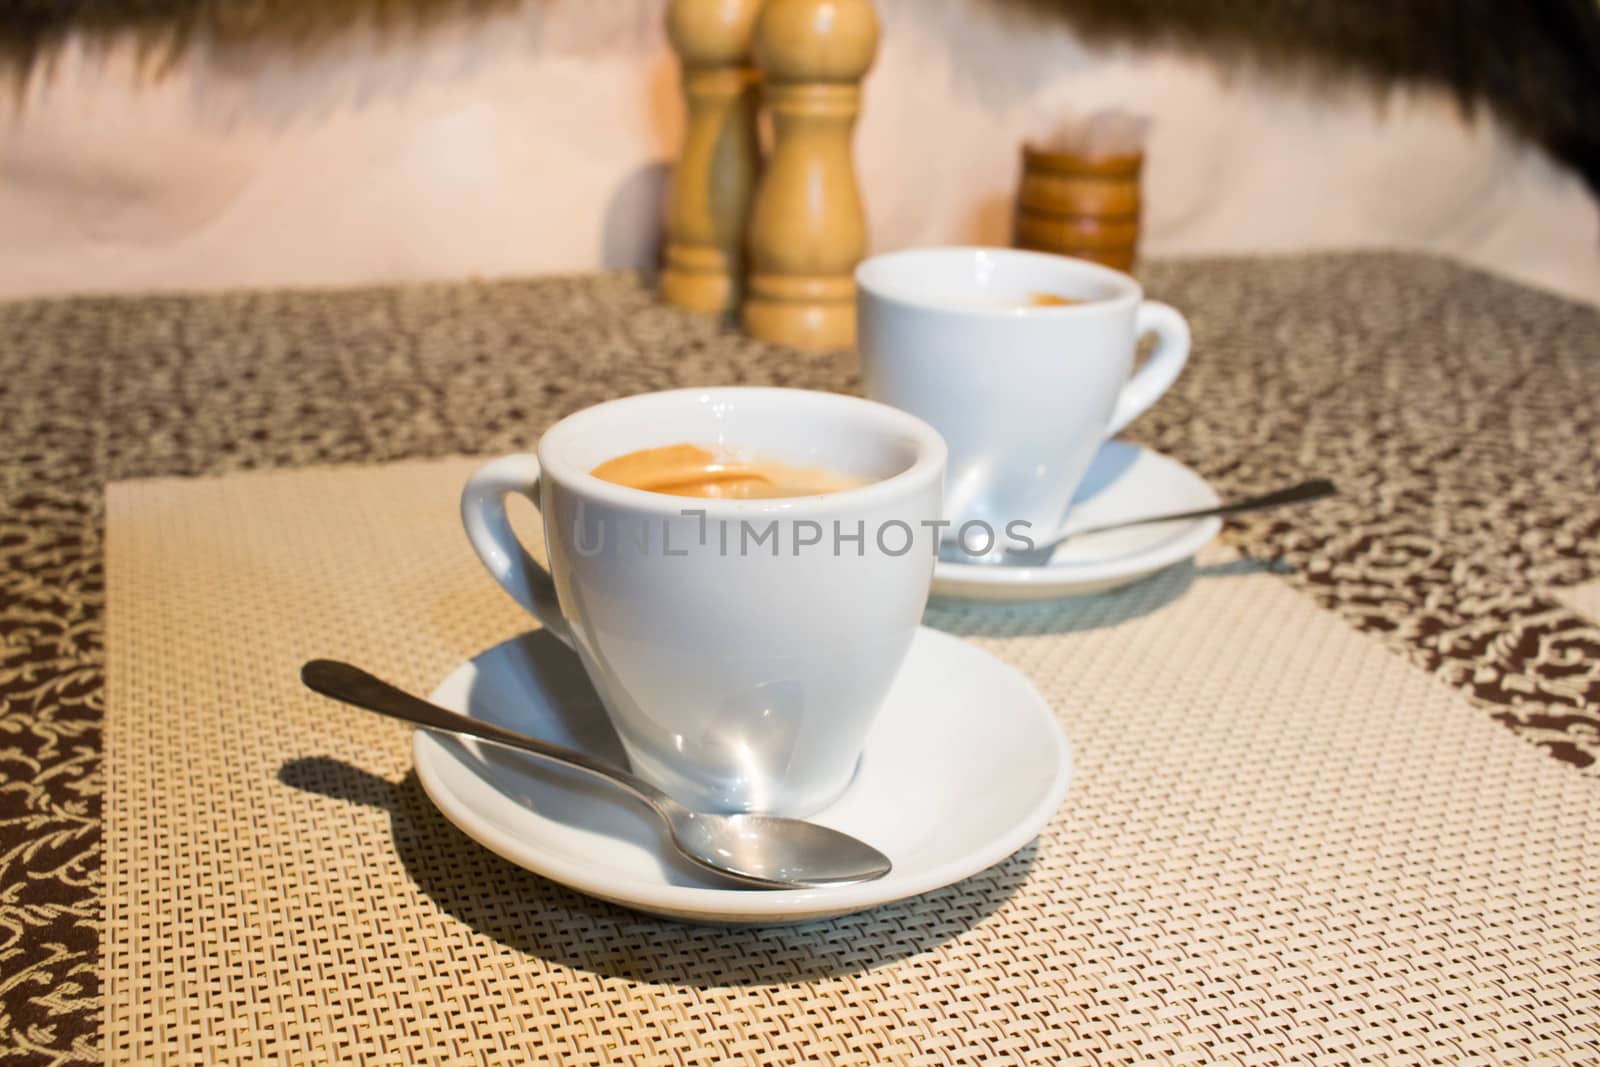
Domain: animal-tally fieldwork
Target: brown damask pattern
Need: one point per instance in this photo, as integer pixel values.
(1459, 415)
(1457, 412)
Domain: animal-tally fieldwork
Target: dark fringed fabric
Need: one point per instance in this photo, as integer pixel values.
(30, 28)
(1535, 63)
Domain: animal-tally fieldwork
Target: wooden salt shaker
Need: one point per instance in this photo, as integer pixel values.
(711, 188)
(807, 228)
(1083, 206)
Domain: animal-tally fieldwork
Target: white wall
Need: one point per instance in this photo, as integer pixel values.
(539, 142)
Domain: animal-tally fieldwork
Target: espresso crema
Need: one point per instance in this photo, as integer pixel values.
(697, 471)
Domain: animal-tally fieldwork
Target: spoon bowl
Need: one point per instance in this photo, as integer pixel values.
(741, 846)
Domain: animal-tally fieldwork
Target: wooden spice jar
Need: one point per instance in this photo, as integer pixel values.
(1076, 205)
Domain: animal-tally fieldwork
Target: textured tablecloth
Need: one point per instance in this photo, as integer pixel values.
(1457, 412)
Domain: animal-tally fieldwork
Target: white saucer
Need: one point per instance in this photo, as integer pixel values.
(1124, 482)
(965, 765)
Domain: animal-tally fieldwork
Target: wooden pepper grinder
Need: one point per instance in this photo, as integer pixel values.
(711, 188)
(807, 229)
(1076, 205)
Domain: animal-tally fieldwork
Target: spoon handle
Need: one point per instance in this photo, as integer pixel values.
(1315, 489)
(354, 686)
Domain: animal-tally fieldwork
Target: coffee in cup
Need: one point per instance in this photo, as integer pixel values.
(1051, 300)
(718, 472)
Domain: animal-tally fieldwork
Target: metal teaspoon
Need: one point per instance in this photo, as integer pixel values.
(1315, 489)
(768, 851)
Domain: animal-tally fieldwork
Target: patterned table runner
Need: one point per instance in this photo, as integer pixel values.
(1458, 413)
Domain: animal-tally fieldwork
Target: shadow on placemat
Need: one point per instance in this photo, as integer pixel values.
(526, 912)
(1078, 614)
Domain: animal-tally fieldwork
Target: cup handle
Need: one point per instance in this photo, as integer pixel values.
(483, 513)
(1160, 370)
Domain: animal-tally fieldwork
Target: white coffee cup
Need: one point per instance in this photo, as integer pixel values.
(741, 647)
(1024, 395)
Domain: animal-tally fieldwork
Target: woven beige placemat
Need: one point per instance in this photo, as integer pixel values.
(1283, 842)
